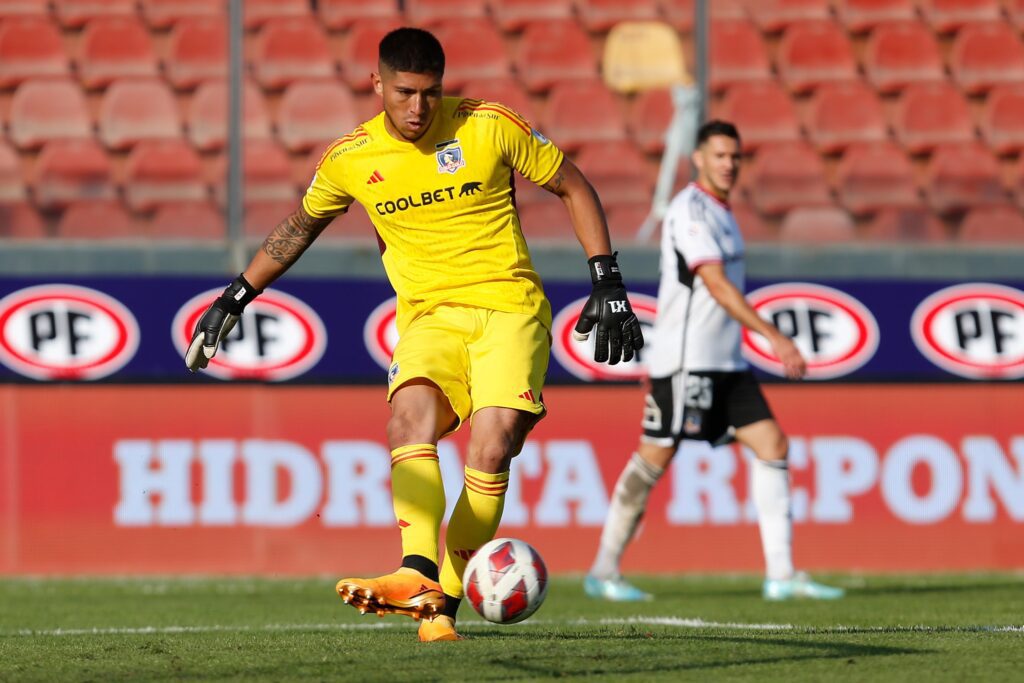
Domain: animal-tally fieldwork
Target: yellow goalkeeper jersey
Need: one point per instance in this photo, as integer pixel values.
(443, 206)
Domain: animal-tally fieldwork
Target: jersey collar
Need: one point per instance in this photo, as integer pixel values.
(718, 200)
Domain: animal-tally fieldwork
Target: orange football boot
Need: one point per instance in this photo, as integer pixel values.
(405, 591)
(441, 628)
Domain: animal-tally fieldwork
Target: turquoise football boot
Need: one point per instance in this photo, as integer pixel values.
(615, 590)
(800, 586)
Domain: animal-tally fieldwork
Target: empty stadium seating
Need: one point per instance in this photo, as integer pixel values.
(1002, 119)
(506, 90)
(875, 176)
(986, 55)
(1000, 224)
(162, 171)
(618, 172)
(553, 51)
(45, 109)
(752, 226)
(72, 170)
(187, 221)
(786, 176)
(137, 110)
(932, 114)
(473, 49)
(21, 221)
(859, 16)
(948, 16)
(649, 117)
(911, 225)
(266, 171)
(763, 112)
(76, 13)
(513, 15)
(11, 187)
(817, 224)
(359, 51)
(197, 52)
(545, 220)
(737, 53)
(208, 115)
(961, 177)
(161, 14)
(842, 114)
(23, 8)
(815, 52)
(341, 14)
(639, 55)
(289, 50)
(776, 15)
(427, 12)
(578, 112)
(100, 219)
(30, 47)
(679, 14)
(902, 53)
(113, 48)
(313, 113)
(599, 16)
(259, 12)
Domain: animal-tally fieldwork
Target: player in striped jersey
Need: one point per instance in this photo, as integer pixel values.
(435, 174)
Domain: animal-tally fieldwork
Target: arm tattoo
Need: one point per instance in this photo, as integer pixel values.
(555, 184)
(293, 236)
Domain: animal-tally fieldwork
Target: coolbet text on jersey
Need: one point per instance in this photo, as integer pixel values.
(443, 206)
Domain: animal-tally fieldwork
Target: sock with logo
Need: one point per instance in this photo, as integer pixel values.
(474, 521)
(629, 500)
(418, 496)
(770, 481)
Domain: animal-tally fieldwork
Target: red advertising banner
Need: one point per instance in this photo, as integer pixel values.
(295, 480)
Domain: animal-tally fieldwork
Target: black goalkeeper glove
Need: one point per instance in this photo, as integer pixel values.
(217, 322)
(618, 330)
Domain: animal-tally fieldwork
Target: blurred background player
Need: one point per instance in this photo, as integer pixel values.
(473, 319)
(700, 384)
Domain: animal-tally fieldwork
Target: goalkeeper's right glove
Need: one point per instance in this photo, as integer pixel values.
(608, 309)
(217, 322)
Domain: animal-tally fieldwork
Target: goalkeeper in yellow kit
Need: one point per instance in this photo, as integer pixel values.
(435, 175)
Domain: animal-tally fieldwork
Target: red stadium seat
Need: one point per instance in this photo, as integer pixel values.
(341, 14)
(816, 225)
(258, 12)
(545, 221)
(752, 226)
(1015, 9)
(874, 176)
(902, 53)
(785, 176)
(23, 8)
(729, 9)
(599, 16)
(776, 15)
(162, 171)
(738, 54)
(45, 109)
(1002, 119)
(188, 220)
(618, 171)
(948, 16)
(932, 114)
(76, 13)
(352, 226)
(625, 220)
(986, 55)
(815, 52)
(30, 47)
(905, 225)
(859, 16)
(208, 115)
(72, 170)
(162, 14)
(314, 113)
(578, 112)
(359, 52)
(842, 114)
(997, 224)
(101, 219)
(197, 52)
(114, 48)
(506, 91)
(553, 51)
(763, 112)
(137, 110)
(20, 221)
(649, 117)
(961, 177)
(679, 13)
(473, 49)
(513, 15)
(290, 50)
(425, 12)
(261, 217)
(266, 173)
(11, 187)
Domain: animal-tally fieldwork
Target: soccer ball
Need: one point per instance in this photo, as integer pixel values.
(506, 580)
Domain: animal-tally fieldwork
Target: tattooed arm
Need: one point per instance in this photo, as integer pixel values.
(584, 207)
(284, 246)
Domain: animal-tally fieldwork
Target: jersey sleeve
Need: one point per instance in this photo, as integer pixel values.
(325, 196)
(524, 148)
(692, 236)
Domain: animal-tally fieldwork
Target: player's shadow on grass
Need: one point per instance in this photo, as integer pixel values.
(738, 648)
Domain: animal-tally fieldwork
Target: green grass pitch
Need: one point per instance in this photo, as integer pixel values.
(891, 628)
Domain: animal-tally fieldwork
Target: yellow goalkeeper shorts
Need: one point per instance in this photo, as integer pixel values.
(479, 358)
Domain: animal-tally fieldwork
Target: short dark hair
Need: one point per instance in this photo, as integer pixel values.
(413, 50)
(716, 127)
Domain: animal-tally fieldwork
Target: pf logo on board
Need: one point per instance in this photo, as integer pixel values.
(973, 330)
(835, 332)
(578, 356)
(277, 338)
(65, 332)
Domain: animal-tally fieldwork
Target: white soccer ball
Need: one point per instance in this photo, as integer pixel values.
(506, 580)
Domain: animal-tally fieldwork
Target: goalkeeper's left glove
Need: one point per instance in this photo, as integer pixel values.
(217, 322)
(618, 330)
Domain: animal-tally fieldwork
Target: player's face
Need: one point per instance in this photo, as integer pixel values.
(718, 164)
(410, 101)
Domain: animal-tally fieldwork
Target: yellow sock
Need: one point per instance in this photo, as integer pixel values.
(474, 522)
(417, 493)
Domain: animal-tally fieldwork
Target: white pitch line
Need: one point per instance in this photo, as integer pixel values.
(675, 622)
